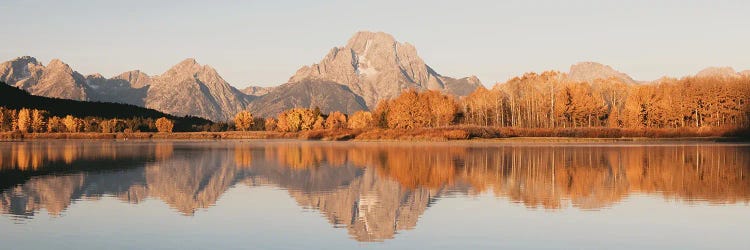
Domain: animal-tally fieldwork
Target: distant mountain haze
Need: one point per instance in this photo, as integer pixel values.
(722, 72)
(370, 67)
(590, 71)
(256, 90)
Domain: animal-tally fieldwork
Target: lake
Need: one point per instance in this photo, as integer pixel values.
(98, 194)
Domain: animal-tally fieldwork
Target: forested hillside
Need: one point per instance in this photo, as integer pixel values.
(13, 100)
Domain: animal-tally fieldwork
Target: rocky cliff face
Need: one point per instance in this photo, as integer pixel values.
(21, 72)
(328, 96)
(134, 78)
(118, 90)
(375, 66)
(590, 71)
(56, 80)
(189, 88)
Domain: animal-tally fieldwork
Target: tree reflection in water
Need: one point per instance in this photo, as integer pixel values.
(372, 189)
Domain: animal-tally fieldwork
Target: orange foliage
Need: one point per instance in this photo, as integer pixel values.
(164, 125)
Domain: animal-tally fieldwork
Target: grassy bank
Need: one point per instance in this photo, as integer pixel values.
(422, 134)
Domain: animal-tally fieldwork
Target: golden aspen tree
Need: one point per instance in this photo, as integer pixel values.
(443, 108)
(283, 122)
(2, 119)
(13, 118)
(54, 125)
(24, 120)
(164, 125)
(243, 121)
(105, 126)
(38, 121)
(71, 123)
(335, 120)
(270, 124)
(296, 119)
(319, 123)
(308, 118)
(408, 111)
(360, 120)
(380, 115)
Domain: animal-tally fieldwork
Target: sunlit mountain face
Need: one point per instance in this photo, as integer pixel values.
(373, 190)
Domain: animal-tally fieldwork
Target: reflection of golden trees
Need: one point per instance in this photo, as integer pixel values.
(305, 156)
(243, 156)
(537, 176)
(23, 157)
(413, 167)
(29, 156)
(185, 182)
(585, 176)
(164, 150)
(376, 189)
(70, 151)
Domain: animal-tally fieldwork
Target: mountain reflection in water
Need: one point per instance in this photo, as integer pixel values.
(372, 189)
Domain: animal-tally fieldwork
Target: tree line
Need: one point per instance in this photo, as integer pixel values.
(39, 121)
(533, 101)
(549, 101)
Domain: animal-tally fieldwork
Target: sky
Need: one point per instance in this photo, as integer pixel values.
(265, 42)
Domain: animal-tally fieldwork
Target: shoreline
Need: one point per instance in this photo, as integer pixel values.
(302, 136)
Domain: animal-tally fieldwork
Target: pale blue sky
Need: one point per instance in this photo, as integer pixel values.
(265, 42)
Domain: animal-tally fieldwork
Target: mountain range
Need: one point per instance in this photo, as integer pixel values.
(371, 67)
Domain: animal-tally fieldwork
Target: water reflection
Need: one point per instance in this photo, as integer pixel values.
(373, 190)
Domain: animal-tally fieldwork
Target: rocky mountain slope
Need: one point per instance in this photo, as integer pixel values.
(56, 79)
(328, 96)
(375, 66)
(115, 90)
(189, 88)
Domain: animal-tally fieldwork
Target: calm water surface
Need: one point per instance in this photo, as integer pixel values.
(344, 195)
